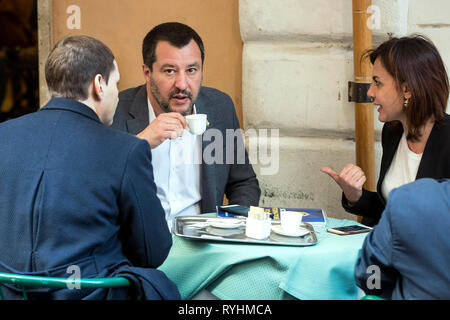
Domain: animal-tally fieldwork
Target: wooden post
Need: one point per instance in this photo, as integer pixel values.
(364, 129)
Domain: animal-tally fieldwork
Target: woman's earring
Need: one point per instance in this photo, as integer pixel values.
(406, 102)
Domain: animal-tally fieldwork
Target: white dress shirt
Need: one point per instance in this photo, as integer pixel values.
(176, 168)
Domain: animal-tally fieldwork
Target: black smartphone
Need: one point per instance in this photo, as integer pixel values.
(349, 230)
(236, 209)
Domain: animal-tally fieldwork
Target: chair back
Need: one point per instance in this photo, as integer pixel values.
(25, 282)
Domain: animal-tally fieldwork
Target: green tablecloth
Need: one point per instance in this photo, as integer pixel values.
(267, 272)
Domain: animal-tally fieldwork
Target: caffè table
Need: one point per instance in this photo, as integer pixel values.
(236, 271)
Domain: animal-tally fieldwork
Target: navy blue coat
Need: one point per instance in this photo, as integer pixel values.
(410, 246)
(74, 192)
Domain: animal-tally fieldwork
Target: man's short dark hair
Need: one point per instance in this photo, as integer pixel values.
(73, 63)
(177, 34)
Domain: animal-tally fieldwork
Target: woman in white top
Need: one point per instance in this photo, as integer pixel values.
(410, 89)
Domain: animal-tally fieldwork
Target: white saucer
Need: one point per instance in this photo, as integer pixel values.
(226, 223)
(298, 233)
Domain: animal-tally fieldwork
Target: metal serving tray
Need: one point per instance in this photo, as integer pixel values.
(199, 227)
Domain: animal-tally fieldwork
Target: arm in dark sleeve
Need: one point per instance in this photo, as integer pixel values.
(376, 260)
(242, 185)
(368, 206)
(145, 235)
(371, 205)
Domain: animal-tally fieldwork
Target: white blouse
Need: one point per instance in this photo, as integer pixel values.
(403, 168)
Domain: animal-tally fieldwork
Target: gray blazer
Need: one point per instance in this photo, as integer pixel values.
(237, 181)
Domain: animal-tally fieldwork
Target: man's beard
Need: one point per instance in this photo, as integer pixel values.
(165, 103)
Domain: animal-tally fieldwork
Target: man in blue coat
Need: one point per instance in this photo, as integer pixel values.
(407, 255)
(77, 195)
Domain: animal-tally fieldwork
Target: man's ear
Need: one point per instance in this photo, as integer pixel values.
(146, 71)
(405, 90)
(98, 87)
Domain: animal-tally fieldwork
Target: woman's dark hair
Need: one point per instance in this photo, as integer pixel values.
(73, 63)
(177, 34)
(416, 62)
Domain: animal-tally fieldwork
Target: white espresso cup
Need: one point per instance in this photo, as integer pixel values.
(196, 123)
(290, 220)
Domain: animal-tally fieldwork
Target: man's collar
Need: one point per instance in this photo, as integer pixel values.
(71, 105)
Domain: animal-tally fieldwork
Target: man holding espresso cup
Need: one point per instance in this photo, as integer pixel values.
(169, 112)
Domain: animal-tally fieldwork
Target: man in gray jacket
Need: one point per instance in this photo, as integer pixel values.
(173, 56)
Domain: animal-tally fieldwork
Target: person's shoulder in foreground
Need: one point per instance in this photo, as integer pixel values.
(406, 256)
